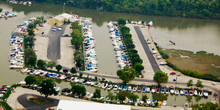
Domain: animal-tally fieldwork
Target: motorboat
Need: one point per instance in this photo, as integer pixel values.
(167, 91)
(205, 93)
(181, 92)
(148, 101)
(153, 90)
(158, 90)
(177, 92)
(134, 89)
(125, 88)
(191, 93)
(164, 103)
(172, 91)
(115, 87)
(148, 90)
(186, 92)
(162, 90)
(139, 89)
(129, 88)
(120, 87)
(195, 93)
(143, 89)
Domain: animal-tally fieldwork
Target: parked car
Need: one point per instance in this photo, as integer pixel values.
(172, 73)
(59, 29)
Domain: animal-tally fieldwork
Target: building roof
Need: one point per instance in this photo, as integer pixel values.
(58, 18)
(66, 16)
(76, 105)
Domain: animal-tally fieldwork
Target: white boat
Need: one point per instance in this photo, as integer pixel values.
(205, 93)
(163, 63)
(195, 93)
(115, 87)
(172, 91)
(148, 89)
(181, 92)
(148, 101)
(129, 88)
(109, 87)
(177, 92)
(164, 103)
(134, 89)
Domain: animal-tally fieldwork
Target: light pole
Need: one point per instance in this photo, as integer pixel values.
(64, 7)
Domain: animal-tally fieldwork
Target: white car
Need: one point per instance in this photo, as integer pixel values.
(59, 29)
(53, 29)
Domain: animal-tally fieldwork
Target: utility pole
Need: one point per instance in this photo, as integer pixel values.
(64, 7)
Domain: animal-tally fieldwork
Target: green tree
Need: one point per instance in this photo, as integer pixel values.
(121, 21)
(51, 64)
(97, 93)
(59, 67)
(31, 80)
(30, 57)
(138, 67)
(47, 87)
(127, 74)
(206, 106)
(134, 97)
(122, 95)
(160, 77)
(78, 90)
(144, 98)
(111, 96)
(199, 84)
(41, 64)
(73, 70)
(190, 83)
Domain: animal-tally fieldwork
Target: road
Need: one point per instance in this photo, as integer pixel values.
(147, 49)
(53, 51)
(23, 100)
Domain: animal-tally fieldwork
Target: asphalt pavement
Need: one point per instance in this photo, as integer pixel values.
(147, 49)
(53, 51)
(33, 106)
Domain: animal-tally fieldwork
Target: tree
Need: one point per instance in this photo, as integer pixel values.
(97, 93)
(47, 87)
(31, 80)
(160, 77)
(30, 57)
(59, 67)
(121, 21)
(41, 64)
(122, 95)
(51, 64)
(144, 98)
(138, 67)
(190, 83)
(199, 84)
(78, 90)
(111, 96)
(127, 74)
(134, 97)
(206, 106)
(73, 70)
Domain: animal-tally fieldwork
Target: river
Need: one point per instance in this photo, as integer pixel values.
(187, 33)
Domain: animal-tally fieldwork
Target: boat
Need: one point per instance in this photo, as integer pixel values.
(186, 92)
(167, 91)
(191, 93)
(105, 85)
(177, 92)
(162, 90)
(143, 89)
(172, 91)
(181, 92)
(120, 87)
(164, 103)
(148, 90)
(158, 90)
(134, 89)
(200, 94)
(195, 93)
(205, 93)
(129, 88)
(125, 88)
(153, 90)
(139, 89)
(115, 87)
(148, 101)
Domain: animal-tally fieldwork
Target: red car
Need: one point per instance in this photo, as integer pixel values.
(172, 73)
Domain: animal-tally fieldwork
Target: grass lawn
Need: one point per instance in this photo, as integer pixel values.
(40, 100)
(201, 61)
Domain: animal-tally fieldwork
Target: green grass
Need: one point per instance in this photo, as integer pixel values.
(5, 106)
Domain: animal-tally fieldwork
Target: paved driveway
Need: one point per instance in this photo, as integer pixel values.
(53, 51)
(33, 106)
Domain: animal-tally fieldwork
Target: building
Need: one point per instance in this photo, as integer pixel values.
(59, 19)
(76, 105)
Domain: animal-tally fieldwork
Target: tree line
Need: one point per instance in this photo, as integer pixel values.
(183, 8)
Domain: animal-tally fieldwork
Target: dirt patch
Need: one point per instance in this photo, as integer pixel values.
(201, 61)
